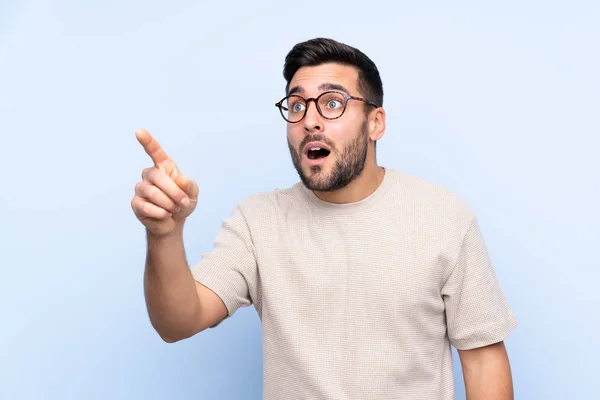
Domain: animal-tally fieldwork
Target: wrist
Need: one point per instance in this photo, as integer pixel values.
(175, 234)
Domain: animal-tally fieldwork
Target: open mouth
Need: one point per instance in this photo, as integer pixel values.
(315, 153)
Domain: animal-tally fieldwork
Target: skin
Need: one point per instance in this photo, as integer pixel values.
(179, 307)
(352, 133)
(487, 373)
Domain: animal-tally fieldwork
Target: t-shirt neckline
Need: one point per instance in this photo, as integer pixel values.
(367, 202)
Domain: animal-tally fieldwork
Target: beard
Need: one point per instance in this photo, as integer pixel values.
(349, 163)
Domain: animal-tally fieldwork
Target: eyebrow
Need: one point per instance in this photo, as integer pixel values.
(323, 87)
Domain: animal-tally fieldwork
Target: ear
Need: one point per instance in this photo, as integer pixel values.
(377, 124)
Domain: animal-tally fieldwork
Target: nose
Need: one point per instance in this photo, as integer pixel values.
(313, 122)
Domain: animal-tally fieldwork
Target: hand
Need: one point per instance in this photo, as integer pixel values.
(164, 197)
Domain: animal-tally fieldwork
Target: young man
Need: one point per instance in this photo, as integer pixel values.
(363, 277)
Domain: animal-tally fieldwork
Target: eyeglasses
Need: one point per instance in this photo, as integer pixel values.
(331, 105)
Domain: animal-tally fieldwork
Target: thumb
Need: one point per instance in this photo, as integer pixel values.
(189, 186)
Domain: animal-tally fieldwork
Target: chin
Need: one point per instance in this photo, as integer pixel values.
(313, 177)
(318, 178)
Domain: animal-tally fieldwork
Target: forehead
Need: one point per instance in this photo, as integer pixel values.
(311, 80)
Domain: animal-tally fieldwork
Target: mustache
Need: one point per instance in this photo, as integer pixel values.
(316, 138)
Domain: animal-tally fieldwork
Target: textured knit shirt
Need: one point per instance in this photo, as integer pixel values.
(359, 300)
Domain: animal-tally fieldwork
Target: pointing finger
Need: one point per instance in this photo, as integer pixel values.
(151, 146)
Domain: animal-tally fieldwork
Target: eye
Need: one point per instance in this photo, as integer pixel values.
(297, 107)
(334, 104)
(331, 101)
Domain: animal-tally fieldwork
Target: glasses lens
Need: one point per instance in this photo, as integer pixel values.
(292, 108)
(331, 104)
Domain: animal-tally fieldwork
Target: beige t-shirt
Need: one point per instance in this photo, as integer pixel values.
(360, 300)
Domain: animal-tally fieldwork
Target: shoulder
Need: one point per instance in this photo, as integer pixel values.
(430, 199)
(274, 202)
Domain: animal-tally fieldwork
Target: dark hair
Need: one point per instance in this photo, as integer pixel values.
(322, 50)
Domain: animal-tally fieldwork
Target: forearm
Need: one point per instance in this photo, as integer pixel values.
(489, 376)
(171, 297)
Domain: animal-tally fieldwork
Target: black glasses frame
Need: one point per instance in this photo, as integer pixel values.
(281, 107)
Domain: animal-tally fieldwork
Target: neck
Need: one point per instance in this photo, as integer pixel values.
(361, 187)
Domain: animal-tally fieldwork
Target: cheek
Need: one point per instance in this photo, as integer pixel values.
(294, 135)
(341, 135)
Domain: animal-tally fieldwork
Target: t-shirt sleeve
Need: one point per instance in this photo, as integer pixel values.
(230, 268)
(477, 312)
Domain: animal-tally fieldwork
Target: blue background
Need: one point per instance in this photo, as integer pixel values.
(498, 102)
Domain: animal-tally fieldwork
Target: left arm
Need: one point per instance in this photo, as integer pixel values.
(487, 373)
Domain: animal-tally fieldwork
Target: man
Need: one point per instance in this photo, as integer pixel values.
(363, 277)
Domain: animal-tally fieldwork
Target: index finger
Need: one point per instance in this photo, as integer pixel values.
(151, 146)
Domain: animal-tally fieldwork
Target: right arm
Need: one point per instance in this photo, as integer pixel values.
(178, 306)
